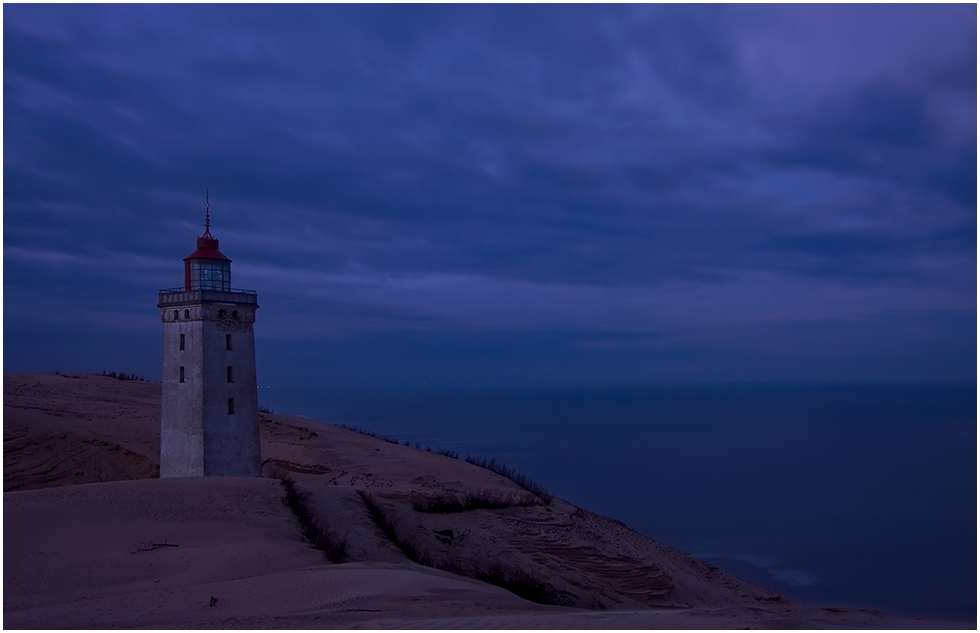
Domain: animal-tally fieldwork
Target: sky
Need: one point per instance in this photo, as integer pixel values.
(505, 195)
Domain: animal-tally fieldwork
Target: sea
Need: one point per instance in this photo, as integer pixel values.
(855, 496)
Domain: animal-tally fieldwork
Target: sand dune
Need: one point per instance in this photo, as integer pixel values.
(61, 430)
(93, 539)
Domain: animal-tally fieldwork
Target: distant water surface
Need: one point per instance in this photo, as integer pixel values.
(861, 496)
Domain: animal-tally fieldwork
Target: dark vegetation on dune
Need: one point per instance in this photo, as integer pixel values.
(123, 376)
(520, 584)
(380, 436)
(518, 478)
(477, 460)
(333, 547)
(388, 529)
(480, 500)
(517, 582)
(394, 440)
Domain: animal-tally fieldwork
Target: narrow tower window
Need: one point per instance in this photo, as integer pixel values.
(227, 341)
(231, 405)
(181, 378)
(234, 314)
(187, 314)
(221, 314)
(181, 342)
(229, 374)
(175, 315)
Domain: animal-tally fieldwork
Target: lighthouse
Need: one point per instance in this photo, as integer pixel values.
(210, 419)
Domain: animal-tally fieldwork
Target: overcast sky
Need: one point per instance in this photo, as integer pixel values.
(510, 195)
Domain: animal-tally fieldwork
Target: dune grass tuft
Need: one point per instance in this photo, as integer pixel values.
(481, 500)
(517, 582)
(518, 478)
(380, 436)
(521, 584)
(123, 376)
(388, 529)
(445, 452)
(333, 547)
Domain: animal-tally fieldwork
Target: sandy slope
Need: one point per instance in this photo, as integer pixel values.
(73, 555)
(60, 430)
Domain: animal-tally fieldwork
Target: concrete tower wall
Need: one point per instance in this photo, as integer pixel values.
(181, 432)
(202, 433)
(231, 434)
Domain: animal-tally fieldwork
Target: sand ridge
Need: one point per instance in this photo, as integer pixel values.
(81, 529)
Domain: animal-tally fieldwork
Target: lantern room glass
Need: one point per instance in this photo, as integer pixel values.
(210, 274)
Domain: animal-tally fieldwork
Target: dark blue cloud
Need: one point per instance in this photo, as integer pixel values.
(955, 175)
(643, 172)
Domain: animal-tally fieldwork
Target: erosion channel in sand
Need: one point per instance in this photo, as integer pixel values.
(93, 538)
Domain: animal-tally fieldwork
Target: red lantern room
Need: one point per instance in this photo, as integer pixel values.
(207, 268)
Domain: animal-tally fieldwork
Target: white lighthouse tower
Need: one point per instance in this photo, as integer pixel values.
(210, 420)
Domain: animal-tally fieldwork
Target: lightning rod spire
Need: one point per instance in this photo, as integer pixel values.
(207, 214)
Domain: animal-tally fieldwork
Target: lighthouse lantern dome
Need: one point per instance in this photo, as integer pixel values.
(207, 268)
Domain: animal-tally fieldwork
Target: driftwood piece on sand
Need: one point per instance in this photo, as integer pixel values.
(148, 546)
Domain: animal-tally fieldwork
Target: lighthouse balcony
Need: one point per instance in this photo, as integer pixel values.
(180, 296)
